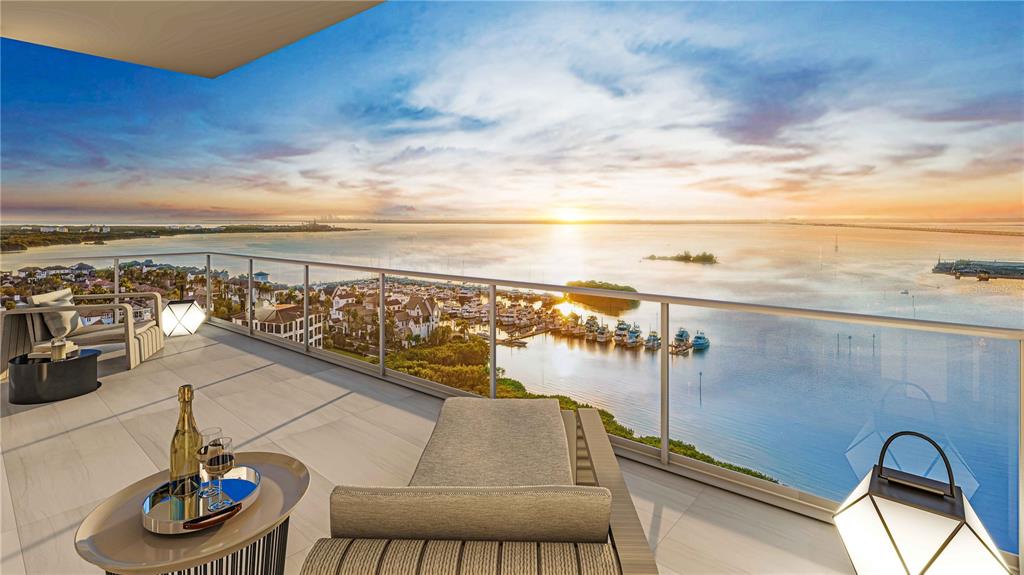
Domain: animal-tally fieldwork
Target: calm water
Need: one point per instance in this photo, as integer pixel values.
(807, 402)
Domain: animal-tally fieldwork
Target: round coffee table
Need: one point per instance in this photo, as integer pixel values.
(254, 541)
(41, 380)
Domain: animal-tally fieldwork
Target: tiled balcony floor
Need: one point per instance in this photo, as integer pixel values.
(61, 459)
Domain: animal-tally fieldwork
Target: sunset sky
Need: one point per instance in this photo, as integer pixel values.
(542, 110)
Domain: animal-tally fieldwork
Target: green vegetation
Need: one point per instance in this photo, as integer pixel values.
(16, 239)
(463, 365)
(688, 258)
(609, 305)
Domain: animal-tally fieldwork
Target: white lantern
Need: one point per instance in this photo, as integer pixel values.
(182, 317)
(896, 522)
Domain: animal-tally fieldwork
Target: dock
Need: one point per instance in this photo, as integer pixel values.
(984, 270)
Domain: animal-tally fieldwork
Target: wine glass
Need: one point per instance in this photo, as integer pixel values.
(220, 460)
(208, 435)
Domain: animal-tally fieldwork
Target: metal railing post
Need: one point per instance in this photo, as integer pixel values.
(209, 288)
(1020, 454)
(117, 289)
(249, 299)
(305, 306)
(381, 317)
(664, 384)
(492, 295)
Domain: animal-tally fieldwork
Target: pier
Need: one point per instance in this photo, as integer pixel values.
(981, 269)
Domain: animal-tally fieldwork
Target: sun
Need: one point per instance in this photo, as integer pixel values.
(569, 215)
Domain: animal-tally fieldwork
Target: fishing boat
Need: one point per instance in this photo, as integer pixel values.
(621, 329)
(633, 336)
(701, 341)
(682, 337)
(579, 330)
(653, 341)
(603, 334)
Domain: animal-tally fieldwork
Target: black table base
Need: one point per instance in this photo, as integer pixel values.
(41, 380)
(265, 556)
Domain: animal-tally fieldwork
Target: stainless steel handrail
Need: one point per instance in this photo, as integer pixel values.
(774, 310)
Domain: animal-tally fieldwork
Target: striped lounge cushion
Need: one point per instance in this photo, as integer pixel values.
(436, 557)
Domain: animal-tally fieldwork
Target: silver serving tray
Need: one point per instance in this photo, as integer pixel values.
(165, 514)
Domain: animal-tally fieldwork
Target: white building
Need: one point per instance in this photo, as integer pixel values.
(284, 320)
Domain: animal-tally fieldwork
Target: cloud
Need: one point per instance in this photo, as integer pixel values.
(1001, 108)
(918, 152)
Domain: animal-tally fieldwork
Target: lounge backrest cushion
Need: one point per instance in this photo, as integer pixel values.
(530, 513)
(56, 322)
(504, 442)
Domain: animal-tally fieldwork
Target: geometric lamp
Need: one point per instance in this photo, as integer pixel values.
(897, 522)
(182, 317)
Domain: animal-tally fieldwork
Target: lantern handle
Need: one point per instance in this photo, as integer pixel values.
(945, 460)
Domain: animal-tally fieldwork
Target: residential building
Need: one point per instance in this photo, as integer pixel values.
(286, 321)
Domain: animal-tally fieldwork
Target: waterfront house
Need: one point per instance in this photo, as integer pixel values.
(284, 320)
(261, 277)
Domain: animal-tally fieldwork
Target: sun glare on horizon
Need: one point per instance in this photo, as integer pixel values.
(569, 215)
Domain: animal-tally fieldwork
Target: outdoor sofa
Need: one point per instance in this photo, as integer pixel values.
(503, 487)
(25, 326)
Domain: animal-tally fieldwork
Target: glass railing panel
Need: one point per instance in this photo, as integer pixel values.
(30, 276)
(343, 306)
(229, 281)
(587, 351)
(437, 331)
(277, 302)
(808, 404)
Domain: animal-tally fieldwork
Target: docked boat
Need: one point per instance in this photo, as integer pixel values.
(633, 336)
(579, 330)
(682, 337)
(621, 329)
(603, 334)
(701, 341)
(653, 341)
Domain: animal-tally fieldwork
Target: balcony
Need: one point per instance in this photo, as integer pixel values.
(714, 464)
(61, 459)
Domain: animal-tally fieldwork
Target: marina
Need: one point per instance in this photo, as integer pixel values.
(982, 270)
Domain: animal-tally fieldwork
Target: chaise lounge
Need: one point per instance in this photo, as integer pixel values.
(504, 487)
(33, 324)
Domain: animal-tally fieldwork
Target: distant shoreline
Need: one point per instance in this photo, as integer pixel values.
(879, 226)
(913, 229)
(17, 240)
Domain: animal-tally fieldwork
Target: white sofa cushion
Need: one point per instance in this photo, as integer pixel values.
(58, 323)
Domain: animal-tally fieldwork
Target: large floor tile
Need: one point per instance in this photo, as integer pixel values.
(706, 539)
(48, 545)
(660, 498)
(412, 418)
(353, 451)
(11, 562)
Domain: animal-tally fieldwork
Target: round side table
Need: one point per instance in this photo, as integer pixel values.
(40, 380)
(253, 542)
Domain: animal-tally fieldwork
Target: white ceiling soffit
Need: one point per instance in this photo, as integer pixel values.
(204, 38)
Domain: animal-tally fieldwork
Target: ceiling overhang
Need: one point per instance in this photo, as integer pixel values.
(203, 38)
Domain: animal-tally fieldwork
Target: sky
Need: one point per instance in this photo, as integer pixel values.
(549, 111)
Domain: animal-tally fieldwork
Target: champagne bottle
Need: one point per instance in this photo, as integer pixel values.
(186, 441)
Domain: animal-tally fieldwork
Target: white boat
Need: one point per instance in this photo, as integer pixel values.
(603, 334)
(653, 341)
(682, 337)
(621, 329)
